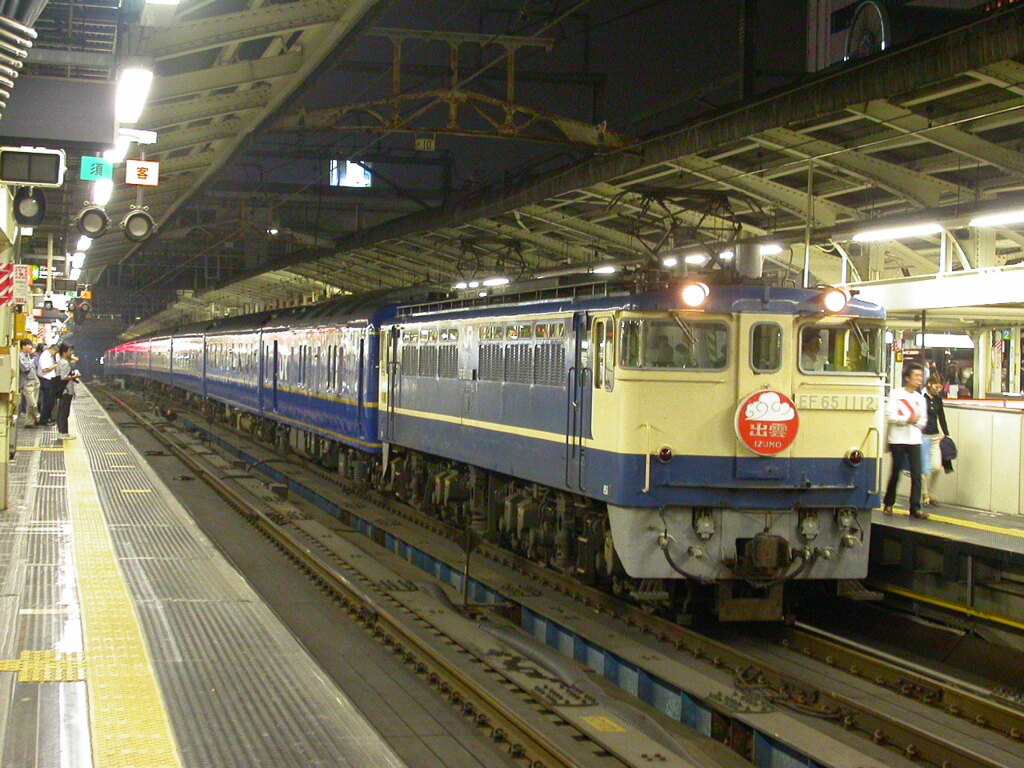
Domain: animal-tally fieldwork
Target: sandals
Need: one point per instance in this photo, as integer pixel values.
(887, 509)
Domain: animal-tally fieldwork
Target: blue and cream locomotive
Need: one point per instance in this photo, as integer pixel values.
(725, 435)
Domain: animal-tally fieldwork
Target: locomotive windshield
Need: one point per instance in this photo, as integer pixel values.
(851, 347)
(674, 344)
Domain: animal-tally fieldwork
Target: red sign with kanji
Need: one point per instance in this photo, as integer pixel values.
(141, 172)
(767, 422)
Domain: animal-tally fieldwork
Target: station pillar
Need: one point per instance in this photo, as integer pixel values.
(8, 353)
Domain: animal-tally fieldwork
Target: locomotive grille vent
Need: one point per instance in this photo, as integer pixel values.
(448, 362)
(519, 364)
(410, 360)
(550, 364)
(428, 361)
(492, 362)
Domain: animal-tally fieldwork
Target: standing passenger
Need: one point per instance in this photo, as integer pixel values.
(931, 454)
(67, 377)
(906, 414)
(47, 370)
(29, 384)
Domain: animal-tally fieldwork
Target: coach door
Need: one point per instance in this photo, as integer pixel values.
(578, 400)
(274, 372)
(389, 381)
(765, 420)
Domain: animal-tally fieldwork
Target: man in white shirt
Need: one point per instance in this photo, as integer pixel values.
(906, 413)
(811, 358)
(47, 369)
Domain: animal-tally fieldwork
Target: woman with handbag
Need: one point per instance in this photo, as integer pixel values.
(65, 378)
(931, 453)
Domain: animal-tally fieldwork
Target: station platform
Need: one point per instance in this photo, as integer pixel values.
(964, 561)
(126, 638)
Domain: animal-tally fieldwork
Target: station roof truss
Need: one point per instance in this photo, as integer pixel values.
(933, 131)
(221, 68)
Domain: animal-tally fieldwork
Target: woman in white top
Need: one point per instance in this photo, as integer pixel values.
(906, 413)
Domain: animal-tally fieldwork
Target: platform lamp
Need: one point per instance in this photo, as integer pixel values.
(92, 221)
(29, 206)
(138, 225)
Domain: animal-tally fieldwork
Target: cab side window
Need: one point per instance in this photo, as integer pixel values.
(765, 347)
(604, 354)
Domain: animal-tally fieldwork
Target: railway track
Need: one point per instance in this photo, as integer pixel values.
(864, 705)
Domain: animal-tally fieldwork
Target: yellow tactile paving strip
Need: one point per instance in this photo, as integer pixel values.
(127, 718)
(46, 667)
(966, 523)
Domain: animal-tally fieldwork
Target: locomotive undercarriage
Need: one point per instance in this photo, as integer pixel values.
(566, 532)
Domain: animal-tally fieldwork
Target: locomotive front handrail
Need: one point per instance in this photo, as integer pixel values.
(878, 454)
(647, 459)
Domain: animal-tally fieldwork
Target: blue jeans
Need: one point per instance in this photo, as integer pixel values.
(910, 454)
(926, 453)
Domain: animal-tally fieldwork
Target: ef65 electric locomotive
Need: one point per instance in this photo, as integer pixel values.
(723, 435)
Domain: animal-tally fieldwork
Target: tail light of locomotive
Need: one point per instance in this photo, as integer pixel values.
(854, 457)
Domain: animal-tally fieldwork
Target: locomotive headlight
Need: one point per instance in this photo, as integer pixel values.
(835, 300)
(695, 294)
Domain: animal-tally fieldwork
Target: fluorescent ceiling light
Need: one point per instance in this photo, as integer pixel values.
(607, 269)
(950, 340)
(670, 261)
(26, 231)
(473, 283)
(102, 189)
(494, 282)
(77, 259)
(75, 274)
(461, 286)
(83, 243)
(162, 2)
(132, 89)
(696, 258)
(771, 249)
(120, 151)
(998, 219)
(898, 233)
(726, 255)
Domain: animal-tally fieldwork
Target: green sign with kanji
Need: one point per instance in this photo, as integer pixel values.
(96, 168)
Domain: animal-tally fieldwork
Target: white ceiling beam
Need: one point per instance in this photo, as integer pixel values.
(921, 190)
(596, 233)
(823, 212)
(163, 116)
(186, 37)
(954, 139)
(227, 76)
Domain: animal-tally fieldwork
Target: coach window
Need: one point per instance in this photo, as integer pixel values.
(766, 347)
